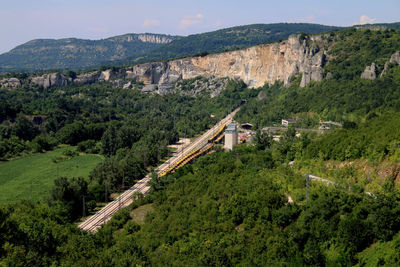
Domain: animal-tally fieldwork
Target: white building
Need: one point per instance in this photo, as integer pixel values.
(231, 137)
(287, 122)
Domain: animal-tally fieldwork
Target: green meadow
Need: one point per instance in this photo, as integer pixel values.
(33, 176)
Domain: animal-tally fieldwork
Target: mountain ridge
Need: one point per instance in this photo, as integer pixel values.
(42, 55)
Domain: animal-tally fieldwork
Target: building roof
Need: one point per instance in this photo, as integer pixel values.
(247, 125)
(289, 120)
(230, 128)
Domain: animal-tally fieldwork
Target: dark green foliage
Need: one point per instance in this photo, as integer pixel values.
(374, 140)
(24, 128)
(72, 133)
(354, 50)
(42, 143)
(224, 209)
(88, 146)
(263, 140)
(70, 192)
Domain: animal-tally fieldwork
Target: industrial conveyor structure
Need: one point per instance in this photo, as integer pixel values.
(197, 152)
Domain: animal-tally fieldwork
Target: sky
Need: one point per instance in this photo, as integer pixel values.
(24, 20)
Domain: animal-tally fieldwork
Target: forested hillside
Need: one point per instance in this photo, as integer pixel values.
(72, 53)
(130, 128)
(343, 97)
(225, 209)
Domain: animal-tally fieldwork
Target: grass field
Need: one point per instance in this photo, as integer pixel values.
(36, 173)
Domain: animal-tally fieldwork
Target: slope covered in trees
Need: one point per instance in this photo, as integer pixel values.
(72, 53)
(225, 209)
(343, 97)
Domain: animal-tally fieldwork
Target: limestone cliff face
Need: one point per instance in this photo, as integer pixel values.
(50, 80)
(255, 65)
(369, 72)
(10, 83)
(154, 38)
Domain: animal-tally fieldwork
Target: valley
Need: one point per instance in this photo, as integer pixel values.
(91, 175)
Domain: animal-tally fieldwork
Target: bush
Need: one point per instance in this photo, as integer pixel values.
(88, 146)
(70, 153)
(42, 143)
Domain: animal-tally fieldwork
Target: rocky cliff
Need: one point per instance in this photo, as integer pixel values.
(155, 38)
(370, 72)
(256, 66)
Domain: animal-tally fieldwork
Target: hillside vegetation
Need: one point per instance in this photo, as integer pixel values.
(72, 53)
(225, 209)
(344, 97)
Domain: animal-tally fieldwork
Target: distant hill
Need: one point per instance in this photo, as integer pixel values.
(78, 54)
(73, 53)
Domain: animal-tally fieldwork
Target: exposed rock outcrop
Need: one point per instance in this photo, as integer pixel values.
(87, 78)
(51, 79)
(385, 69)
(154, 38)
(369, 72)
(261, 95)
(199, 85)
(255, 65)
(395, 58)
(10, 83)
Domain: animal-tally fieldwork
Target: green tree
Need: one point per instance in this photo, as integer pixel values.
(24, 128)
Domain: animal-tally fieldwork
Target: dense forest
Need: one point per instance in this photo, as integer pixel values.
(225, 209)
(253, 206)
(130, 128)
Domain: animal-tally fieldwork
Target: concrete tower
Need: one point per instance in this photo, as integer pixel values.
(231, 137)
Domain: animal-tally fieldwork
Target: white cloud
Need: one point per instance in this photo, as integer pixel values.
(188, 21)
(364, 19)
(151, 23)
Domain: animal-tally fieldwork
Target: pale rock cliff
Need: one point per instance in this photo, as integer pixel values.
(87, 78)
(256, 65)
(369, 72)
(395, 58)
(11, 83)
(154, 38)
(50, 80)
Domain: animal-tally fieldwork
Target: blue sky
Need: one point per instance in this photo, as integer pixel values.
(24, 20)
